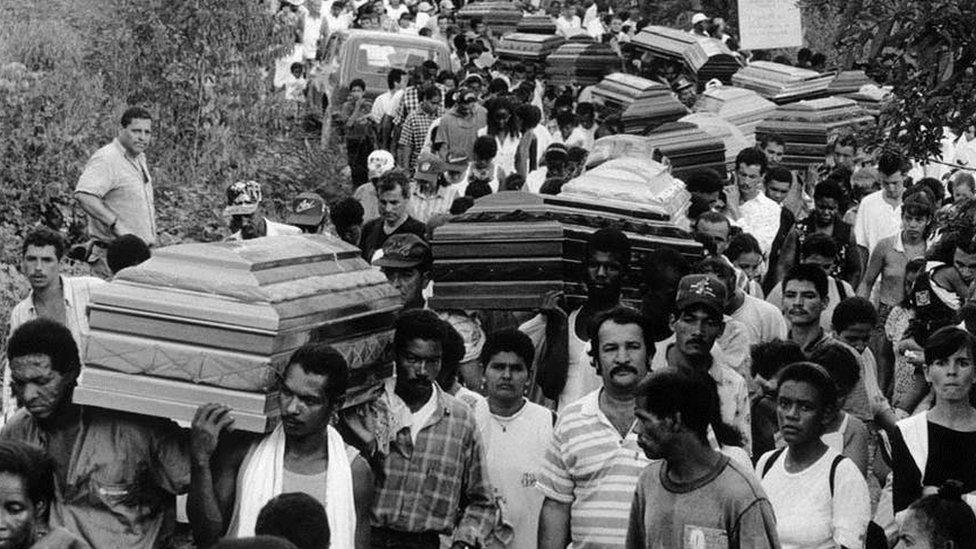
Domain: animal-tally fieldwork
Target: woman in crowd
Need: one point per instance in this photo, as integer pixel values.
(939, 444)
(939, 521)
(503, 127)
(744, 252)
(836, 506)
(909, 383)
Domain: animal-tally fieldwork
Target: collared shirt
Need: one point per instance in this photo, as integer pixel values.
(426, 482)
(77, 294)
(414, 132)
(385, 105)
(733, 393)
(423, 206)
(590, 466)
(876, 219)
(760, 218)
(410, 102)
(116, 485)
(125, 186)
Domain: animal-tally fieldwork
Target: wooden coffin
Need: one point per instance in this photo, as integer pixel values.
(581, 62)
(782, 83)
(537, 24)
(807, 127)
(849, 82)
(732, 137)
(742, 107)
(222, 317)
(501, 16)
(643, 104)
(523, 47)
(511, 248)
(707, 58)
(688, 148)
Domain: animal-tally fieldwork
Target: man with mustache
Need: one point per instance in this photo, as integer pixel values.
(593, 462)
(697, 322)
(433, 480)
(804, 301)
(562, 345)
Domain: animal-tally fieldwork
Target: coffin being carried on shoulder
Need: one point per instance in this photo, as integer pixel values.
(217, 322)
(511, 248)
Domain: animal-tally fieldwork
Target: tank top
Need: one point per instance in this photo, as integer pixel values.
(313, 485)
(581, 377)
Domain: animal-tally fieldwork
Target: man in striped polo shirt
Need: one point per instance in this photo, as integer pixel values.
(591, 468)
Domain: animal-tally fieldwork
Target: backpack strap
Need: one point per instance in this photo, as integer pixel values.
(772, 459)
(833, 471)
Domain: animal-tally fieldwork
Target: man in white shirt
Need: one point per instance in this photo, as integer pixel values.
(758, 215)
(568, 24)
(385, 106)
(879, 214)
(246, 214)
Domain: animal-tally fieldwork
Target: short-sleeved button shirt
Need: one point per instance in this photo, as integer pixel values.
(125, 186)
(591, 467)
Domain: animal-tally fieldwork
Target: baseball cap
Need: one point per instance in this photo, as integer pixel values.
(307, 209)
(379, 162)
(456, 162)
(243, 198)
(701, 289)
(698, 18)
(466, 95)
(429, 166)
(403, 251)
(447, 5)
(424, 6)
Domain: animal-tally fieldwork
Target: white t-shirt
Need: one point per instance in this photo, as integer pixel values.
(569, 27)
(577, 138)
(420, 418)
(876, 219)
(386, 103)
(760, 218)
(535, 179)
(581, 376)
(478, 405)
(515, 455)
(764, 321)
(817, 520)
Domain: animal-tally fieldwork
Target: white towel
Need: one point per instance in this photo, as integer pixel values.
(260, 478)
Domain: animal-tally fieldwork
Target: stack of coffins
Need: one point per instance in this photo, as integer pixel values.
(513, 247)
(582, 63)
(501, 16)
(641, 103)
(519, 47)
(619, 145)
(707, 58)
(782, 83)
(537, 24)
(732, 137)
(688, 148)
(217, 322)
(849, 82)
(807, 127)
(872, 98)
(742, 107)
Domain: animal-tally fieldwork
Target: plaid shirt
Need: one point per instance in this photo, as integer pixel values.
(411, 102)
(414, 133)
(425, 483)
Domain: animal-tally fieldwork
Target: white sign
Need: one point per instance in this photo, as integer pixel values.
(767, 24)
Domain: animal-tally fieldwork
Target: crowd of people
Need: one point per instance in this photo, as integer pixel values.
(806, 383)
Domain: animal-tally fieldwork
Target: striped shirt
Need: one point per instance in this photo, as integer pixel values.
(591, 467)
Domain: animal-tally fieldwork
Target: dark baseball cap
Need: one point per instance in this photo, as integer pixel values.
(404, 251)
(429, 167)
(243, 198)
(701, 289)
(307, 209)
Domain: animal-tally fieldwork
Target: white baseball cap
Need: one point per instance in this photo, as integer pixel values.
(699, 18)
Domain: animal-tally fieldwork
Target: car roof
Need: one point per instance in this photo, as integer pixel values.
(384, 36)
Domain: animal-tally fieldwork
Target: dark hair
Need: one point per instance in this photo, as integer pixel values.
(393, 179)
(714, 217)
(612, 241)
(43, 336)
(461, 204)
(514, 182)
(476, 189)
(493, 106)
(841, 363)
(946, 341)
(742, 243)
(846, 141)
(819, 244)
(779, 174)
(358, 83)
(346, 213)
(485, 147)
(694, 396)
(622, 315)
(814, 374)
(853, 310)
(829, 189)
(394, 77)
(771, 138)
(808, 273)
(497, 86)
(446, 75)
(947, 517)
(566, 118)
(452, 353)
(585, 108)
(417, 324)
(134, 113)
(34, 467)
(769, 357)
(718, 267)
(577, 155)
(890, 162)
(296, 517)
(509, 340)
(322, 359)
(127, 250)
(255, 542)
(752, 157)
(44, 236)
(657, 264)
(705, 180)
(429, 93)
